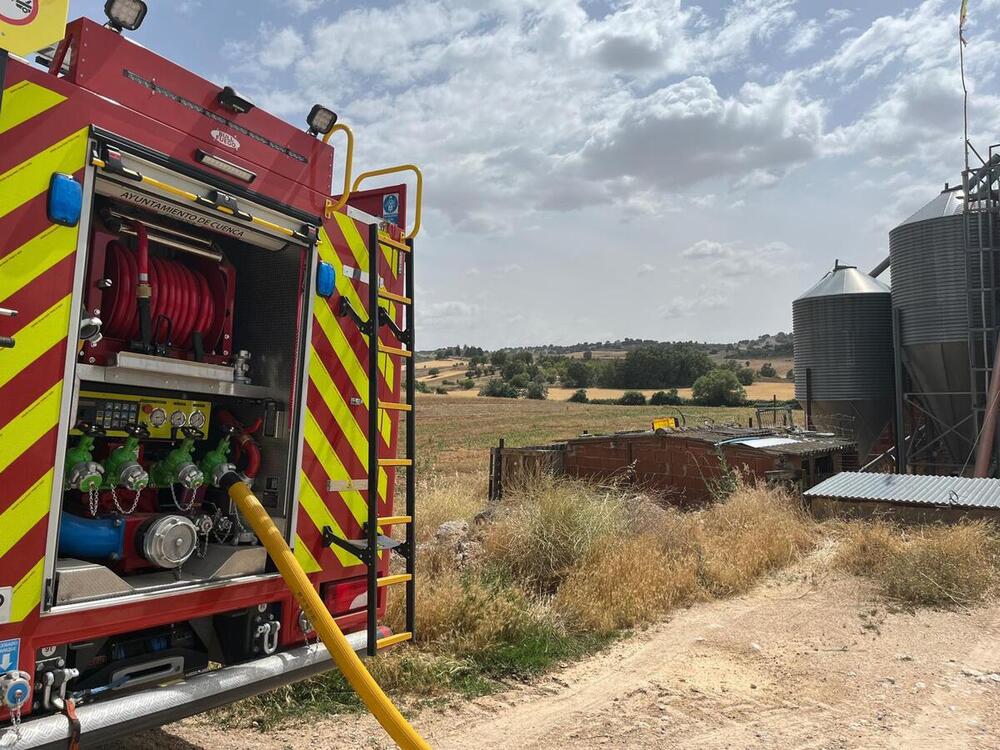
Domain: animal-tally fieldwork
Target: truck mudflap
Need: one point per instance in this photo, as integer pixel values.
(107, 720)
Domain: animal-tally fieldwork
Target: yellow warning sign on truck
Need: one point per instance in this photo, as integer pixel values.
(30, 25)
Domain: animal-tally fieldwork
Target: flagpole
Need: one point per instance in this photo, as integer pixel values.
(965, 95)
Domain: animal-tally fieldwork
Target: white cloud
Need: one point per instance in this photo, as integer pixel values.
(805, 36)
(737, 259)
(705, 300)
(564, 138)
(645, 269)
(282, 48)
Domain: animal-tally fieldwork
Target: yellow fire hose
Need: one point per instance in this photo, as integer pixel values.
(326, 628)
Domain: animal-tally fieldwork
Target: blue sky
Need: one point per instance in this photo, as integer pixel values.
(597, 170)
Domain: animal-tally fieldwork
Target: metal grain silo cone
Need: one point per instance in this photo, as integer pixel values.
(843, 355)
(930, 294)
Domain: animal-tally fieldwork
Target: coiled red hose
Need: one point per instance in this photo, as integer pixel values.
(180, 295)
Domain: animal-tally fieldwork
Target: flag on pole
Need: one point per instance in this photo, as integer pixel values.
(963, 15)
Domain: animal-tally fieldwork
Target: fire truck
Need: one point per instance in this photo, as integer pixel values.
(182, 301)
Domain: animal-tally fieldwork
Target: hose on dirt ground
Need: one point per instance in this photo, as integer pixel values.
(326, 627)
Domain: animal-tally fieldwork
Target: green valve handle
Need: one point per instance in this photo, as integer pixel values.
(82, 472)
(215, 464)
(122, 467)
(179, 467)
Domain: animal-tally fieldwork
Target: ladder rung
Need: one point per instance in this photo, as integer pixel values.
(387, 240)
(390, 520)
(394, 297)
(392, 640)
(395, 350)
(392, 580)
(395, 462)
(395, 405)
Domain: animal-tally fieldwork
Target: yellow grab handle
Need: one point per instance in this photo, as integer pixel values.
(332, 207)
(393, 170)
(326, 627)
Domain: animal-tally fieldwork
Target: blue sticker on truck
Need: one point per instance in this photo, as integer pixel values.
(10, 653)
(390, 208)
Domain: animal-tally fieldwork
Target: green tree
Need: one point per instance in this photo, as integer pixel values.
(632, 398)
(767, 370)
(537, 391)
(719, 388)
(579, 396)
(588, 355)
(498, 388)
(665, 398)
(745, 376)
(520, 380)
(578, 374)
(498, 358)
(790, 375)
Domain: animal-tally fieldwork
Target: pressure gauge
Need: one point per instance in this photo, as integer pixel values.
(157, 417)
(197, 419)
(177, 418)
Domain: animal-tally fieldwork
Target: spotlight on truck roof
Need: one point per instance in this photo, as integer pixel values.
(125, 14)
(321, 120)
(231, 100)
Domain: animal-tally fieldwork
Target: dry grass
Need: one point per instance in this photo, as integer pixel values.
(942, 566)
(671, 558)
(549, 527)
(755, 531)
(447, 497)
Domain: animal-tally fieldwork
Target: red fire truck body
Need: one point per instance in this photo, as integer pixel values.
(122, 568)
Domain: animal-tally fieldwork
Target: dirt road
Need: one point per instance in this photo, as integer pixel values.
(810, 659)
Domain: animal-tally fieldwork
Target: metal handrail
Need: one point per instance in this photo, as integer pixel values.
(392, 170)
(332, 207)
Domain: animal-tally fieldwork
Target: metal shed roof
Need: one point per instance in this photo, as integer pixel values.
(958, 492)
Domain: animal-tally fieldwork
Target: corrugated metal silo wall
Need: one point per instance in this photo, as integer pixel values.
(845, 341)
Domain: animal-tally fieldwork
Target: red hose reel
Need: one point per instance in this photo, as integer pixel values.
(185, 299)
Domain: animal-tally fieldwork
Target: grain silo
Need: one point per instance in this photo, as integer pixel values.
(843, 354)
(931, 299)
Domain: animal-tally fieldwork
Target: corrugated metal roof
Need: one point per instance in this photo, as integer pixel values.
(959, 492)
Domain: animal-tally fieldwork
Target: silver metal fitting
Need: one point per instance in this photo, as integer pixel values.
(133, 477)
(190, 476)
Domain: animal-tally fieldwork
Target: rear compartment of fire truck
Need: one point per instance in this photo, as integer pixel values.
(175, 383)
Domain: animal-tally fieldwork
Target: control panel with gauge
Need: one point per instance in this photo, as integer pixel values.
(165, 418)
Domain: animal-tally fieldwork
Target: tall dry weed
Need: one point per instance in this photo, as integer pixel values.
(756, 530)
(547, 528)
(942, 566)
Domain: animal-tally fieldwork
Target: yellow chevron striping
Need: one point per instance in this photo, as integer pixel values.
(27, 427)
(334, 400)
(321, 516)
(30, 178)
(334, 468)
(342, 348)
(354, 240)
(35, 257)
(305, 557)
(35, 339)
(345, 420)
(327, 252)
(27, 593)
(26, 100)
(26, 511)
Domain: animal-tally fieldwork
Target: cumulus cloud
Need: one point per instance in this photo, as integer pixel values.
(562, 129)
(730, 260)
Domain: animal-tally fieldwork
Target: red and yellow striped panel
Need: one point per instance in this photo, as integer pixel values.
(337, 404)
(36, 278)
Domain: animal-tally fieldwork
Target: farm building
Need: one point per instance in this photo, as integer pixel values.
(680, 465)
